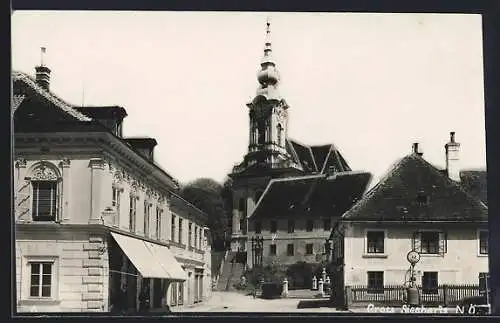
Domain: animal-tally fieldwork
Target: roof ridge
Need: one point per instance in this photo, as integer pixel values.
(55, 99)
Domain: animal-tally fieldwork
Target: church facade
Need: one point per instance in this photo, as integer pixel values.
(286, 193)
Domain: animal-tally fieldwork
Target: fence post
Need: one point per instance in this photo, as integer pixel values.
(445, 295)
(348, 297)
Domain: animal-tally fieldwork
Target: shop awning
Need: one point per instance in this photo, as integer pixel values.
(144, 257)
(165, 257)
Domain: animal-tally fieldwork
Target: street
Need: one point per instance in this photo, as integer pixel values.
(237, 302)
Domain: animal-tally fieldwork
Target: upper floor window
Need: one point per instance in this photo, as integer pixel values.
(422, 198)
(327, 224)
(159, 213)
(483, 242)
(430, 242)
(115, 203)
(44, 200)
(309, 249)
(375, 241)
(180, 230)
(172, 229)
(147, 208)
(132, 213)
(200, 243)
(274, 226)
(258, 227)
(310, 225)
(45, 183)
(289, 249)
(190, 234)
(196, 237)
(41, 279)
(291, 226)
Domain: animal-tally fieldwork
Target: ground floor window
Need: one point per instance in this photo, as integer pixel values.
(375, 282)
(181, 294)
(41, 279)
(174, 295)
(430, 282)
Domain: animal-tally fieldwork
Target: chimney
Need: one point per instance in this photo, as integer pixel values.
(452, 149)
(43, 73)
(416, 150)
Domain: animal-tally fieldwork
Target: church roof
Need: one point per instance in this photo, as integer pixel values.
(59, 103)
(317, 159)
(314, 195)
(415, 190)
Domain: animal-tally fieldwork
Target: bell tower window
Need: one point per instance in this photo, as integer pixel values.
(261, 133)
(280, 133)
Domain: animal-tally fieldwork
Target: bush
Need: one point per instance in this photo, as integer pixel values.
(272, 290)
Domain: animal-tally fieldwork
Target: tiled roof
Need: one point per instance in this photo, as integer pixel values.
(313, 195)
(16, 101)
(180, 206)
(475, 182)
(51, 97)
(103, 111)
(414, 190)
(317, 159)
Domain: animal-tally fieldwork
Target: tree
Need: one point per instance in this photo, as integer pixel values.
(207, 195)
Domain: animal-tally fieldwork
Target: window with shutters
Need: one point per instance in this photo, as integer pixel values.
(375, 281)
(483, 242)
(45, 184)
(430, 282)
(41, 279)
(430, 242)
(132, 213)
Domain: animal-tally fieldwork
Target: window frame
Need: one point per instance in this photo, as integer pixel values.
(290, 252)
(367, 241)
(159, 220)
(273, 249)
(180, 238)
(311, 245)
(190, 234)
(44, 171)
(442, 243)
(430, 290)
(132, 221)
(54, 201)
(173, 227)
(147, 218)
(479, 244)
(25, 292)
(375, 289)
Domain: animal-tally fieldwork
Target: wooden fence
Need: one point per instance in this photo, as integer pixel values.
(444, 295)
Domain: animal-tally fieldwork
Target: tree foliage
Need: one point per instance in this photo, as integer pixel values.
(210, 197)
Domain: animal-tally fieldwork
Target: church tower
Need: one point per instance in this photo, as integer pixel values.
(268, 115)
(267, 156)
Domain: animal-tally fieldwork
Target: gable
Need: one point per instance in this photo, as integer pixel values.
(414, 190)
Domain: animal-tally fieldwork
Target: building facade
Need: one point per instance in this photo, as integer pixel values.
(285, 192)
(414, 207)
(98, 224)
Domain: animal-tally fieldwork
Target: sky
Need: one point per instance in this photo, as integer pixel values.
(372, 84)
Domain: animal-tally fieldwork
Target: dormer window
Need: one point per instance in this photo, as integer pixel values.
(422, 198)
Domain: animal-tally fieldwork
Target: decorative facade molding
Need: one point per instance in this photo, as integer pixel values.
(65, 163)
(96, 163)
(44, 173)
(20, 163)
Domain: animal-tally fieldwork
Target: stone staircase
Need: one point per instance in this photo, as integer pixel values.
(231, 273)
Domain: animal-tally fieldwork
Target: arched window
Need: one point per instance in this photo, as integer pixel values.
(280, 133)
(241, 205)
(261, 133)
(45, 183)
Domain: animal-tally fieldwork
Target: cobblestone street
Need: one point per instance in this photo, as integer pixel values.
(236, 302)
